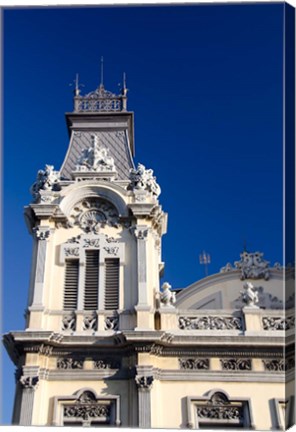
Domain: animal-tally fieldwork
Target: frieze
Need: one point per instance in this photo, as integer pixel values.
(194, 363)
(69, 363)
(279, 365)
(144, 382)
(236, 364)
(278, 323)
(210, 323)
(106, 364)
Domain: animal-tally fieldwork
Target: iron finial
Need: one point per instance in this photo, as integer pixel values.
(76, 85)
(102, 72)
(124, 88)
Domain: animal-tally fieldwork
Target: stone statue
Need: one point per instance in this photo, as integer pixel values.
(143, 179)
(250, 295)
(46, 179)
(95, 158)
(167, 297)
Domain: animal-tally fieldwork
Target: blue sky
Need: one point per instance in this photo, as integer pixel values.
(205, 83)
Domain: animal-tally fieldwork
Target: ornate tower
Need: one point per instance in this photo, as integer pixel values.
(97, 227)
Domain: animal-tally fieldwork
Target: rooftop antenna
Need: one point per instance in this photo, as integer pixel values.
(205, 259)
(102, 72)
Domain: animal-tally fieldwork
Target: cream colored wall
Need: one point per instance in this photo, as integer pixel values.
(169, 409)
(48, 390)
(229, 287)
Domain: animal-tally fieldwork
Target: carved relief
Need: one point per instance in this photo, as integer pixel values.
(69, 363)
(194, 363)
(236, 364)
(46, 179)
(69, 322)
(252, 266)
(156, 349)
(87, 409)
(278, 323)
(210, 323)
(95, 158)
(279, 365)
(143, 179)
(144, 382)
(111, 239)
(112, 250)
(108, 364)
(90, 322)
(111, 323)
(219, 408)
(71, 252)
(95, 243)
(93, 213)
(29, 382)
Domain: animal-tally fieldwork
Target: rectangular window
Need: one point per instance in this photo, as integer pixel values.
(91, 280)
(111, 283)
(71, 284)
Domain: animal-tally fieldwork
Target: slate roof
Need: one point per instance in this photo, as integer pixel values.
(115, 140)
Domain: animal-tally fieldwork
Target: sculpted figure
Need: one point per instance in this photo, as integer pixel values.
(95, 158)
(167, 297)
(46, 179)
(250, 295)
(143, 179)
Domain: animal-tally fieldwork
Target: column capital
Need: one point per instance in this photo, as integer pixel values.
(42, 232)
(144, 382)
(140, 232)
(29, 382)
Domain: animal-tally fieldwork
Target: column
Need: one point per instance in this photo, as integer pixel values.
(141, 232)
(42, 234)
(29, 384)
(144, 384)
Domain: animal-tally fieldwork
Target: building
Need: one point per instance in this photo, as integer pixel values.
(104, 344)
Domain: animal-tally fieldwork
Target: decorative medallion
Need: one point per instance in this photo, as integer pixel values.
(93, 213)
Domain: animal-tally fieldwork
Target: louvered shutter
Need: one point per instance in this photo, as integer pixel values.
(71, 284)
(111, 283)
(91, 280)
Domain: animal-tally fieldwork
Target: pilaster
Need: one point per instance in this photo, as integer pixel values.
(29, 382)
(144, 380)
